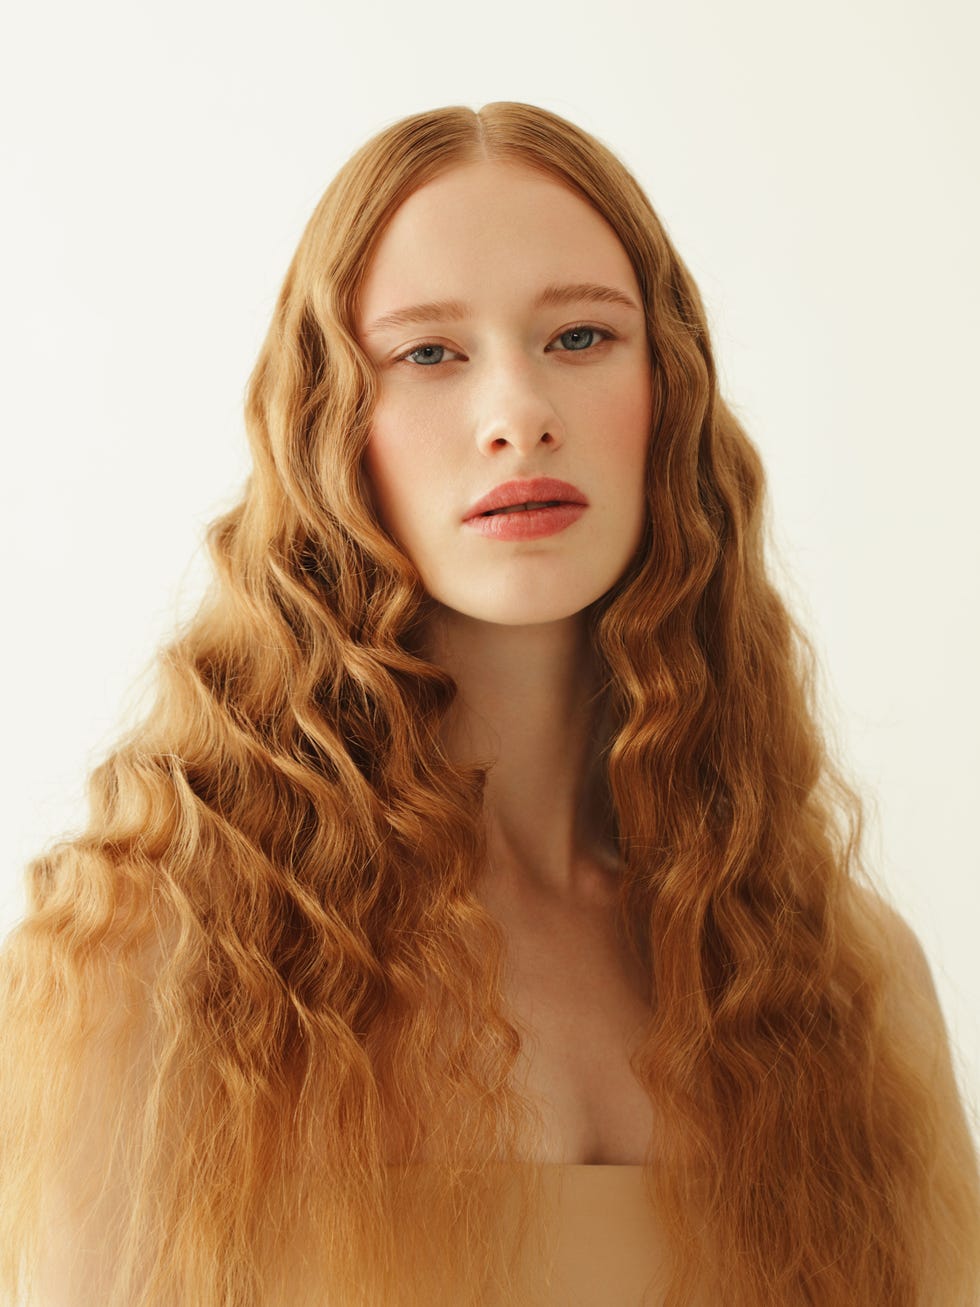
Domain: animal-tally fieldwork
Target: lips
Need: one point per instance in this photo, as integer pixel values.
(539, 490)
(522, 508)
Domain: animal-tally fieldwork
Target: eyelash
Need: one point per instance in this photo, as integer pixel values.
(578, 326)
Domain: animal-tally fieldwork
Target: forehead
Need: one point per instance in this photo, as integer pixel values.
(485, 230)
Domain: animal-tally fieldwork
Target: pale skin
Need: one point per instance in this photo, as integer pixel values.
(510, 390)
(505, 398)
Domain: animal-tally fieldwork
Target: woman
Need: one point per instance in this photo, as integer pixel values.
(473, 849)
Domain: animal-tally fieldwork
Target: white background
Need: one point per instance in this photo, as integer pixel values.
(816, 169)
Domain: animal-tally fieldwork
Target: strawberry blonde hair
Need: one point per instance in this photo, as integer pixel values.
(257, 990)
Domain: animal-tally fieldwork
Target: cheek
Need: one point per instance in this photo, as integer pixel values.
(407, 450)
(627, 427)
(627, 419)
(398, 467)
(382, 474)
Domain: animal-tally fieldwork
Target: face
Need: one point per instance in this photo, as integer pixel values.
(512, 385)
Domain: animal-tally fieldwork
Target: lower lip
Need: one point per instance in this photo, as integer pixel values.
(528, 523)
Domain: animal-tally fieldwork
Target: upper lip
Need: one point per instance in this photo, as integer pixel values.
(536, 491)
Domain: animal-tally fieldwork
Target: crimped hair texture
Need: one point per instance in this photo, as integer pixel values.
(252, 1029)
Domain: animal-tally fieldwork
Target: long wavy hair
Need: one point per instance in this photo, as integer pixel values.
(252, 1027)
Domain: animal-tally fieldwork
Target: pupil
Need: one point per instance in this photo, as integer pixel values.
(579, 332)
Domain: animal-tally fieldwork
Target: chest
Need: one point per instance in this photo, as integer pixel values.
(580, 1006)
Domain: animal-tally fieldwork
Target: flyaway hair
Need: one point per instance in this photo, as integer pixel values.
(257, 990)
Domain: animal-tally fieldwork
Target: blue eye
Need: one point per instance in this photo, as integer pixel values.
(582, 329)
(420, 349)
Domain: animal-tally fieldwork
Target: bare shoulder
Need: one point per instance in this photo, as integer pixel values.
(942, 1130)
(900, 940)
(913, 1012)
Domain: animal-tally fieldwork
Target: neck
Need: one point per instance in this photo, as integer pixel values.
(528, 705)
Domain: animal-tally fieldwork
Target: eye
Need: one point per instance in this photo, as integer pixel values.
(576, 340)
(421, 349)
(582, 330)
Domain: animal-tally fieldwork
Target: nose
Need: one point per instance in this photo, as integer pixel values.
(513, 410)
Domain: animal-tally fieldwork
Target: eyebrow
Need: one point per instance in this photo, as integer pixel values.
(456, 310)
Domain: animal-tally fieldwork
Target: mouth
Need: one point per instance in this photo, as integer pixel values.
(533, 520)
(527, 495)
(523, 508)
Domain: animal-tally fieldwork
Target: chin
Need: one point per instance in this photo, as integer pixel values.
(521, 614)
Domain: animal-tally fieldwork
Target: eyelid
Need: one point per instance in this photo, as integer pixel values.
(605, 332)
(421, 345)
